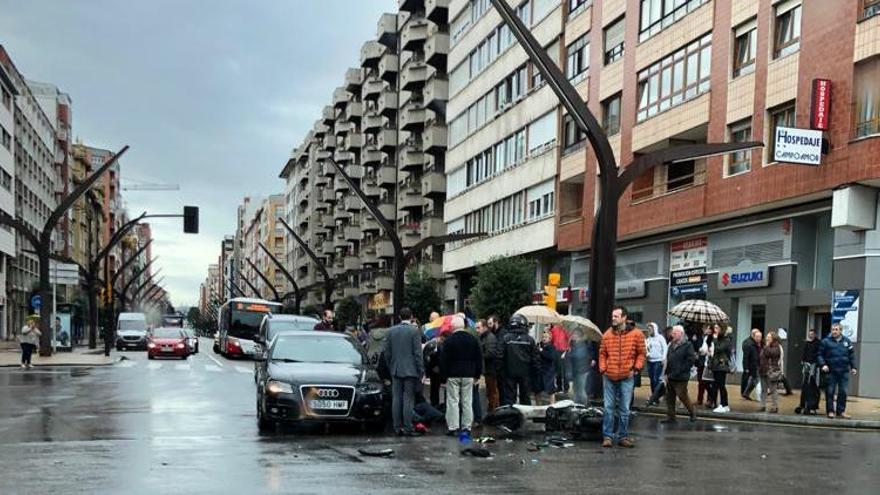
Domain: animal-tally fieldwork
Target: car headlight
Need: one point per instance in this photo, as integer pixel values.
(151, 345)
(370, 388)
(276, 387)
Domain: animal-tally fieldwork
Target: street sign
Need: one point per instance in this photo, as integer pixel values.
(36, 302)
(798, 146)
(63, 273)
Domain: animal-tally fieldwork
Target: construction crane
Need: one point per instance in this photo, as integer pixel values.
(151, 186)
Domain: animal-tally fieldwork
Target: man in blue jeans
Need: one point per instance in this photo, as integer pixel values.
(837, 360)
(621, 358)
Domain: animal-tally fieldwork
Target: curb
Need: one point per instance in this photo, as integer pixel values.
(764, 418)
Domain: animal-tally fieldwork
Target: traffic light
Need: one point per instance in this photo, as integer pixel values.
(550, 290)
(190, 219)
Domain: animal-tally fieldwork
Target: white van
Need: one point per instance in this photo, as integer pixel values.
(131, 331)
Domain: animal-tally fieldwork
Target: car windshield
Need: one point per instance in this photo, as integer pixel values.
(132, 325)
(316, 349)
(276, 327)
(167, 333)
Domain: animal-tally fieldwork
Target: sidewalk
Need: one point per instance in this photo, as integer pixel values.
(865, 412)
(10, 355)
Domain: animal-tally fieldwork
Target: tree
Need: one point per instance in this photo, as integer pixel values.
(311, 310)
(348, 312)
(421, 294)
(503, 285)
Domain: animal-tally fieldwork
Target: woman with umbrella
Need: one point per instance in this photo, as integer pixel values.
(708, 314)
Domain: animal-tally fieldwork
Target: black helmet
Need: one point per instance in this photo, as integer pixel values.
(518, 321)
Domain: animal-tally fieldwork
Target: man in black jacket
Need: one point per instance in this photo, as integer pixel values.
(751, 348)
(461, 363)
(680, 357)
(491, 356)
(520, 362)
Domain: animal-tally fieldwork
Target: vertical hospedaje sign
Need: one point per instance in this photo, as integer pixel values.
(820, 105)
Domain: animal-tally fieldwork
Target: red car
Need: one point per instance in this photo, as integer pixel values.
(167, 341)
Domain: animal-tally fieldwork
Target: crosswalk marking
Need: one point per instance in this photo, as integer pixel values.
(127, 363)
(190, 365)
(212, 367)
(154, 366)
(182, 366)
(242, 369)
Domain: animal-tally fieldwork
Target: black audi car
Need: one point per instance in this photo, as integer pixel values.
(317, 377)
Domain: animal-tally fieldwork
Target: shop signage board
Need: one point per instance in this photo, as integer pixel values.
(744, 276)
(683, 283)
(689, 253)
(629, 289)
(820, 105)
(803, 146)
(845, 310)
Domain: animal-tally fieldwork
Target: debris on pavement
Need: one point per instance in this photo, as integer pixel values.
(376, 452)
(476, 452)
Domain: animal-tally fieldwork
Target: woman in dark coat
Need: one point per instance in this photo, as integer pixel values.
(549, 357)
(719, 363)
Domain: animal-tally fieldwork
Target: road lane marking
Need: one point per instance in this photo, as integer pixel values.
(241, 369)
(127, 363)
(182, 366)
(212, 358)
(154, 366)
(211, 367)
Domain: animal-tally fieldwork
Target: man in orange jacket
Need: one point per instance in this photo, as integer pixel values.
(621, 357)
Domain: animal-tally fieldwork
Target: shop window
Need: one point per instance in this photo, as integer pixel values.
(870, 8)
(614, 38)
(745, 47)
(866, 98)
(787, 39)
(781, 116)
(578, 59)
(611, 115)
(741, 161)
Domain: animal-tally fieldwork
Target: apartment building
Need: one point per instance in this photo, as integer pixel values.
(86, 216)
(501, 166)
(386, 128)
(244, 214)
(33, 138)
(112, 205)
(226, 266)
(776, 244)
(8, 93)
(263, 228)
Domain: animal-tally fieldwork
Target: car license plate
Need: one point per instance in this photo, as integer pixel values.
(328, 404)
(166, 349)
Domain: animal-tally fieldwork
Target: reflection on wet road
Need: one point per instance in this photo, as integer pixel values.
(189, 427)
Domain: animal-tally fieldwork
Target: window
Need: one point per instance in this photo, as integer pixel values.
(675, 79)
(7, 98)
(6, 180)
(573, 138)
(870, 8)
(741, 161)
(679, 175)
(542, 133)
(657, 15)
(781, 116)
(614, 34)
(745, 47)
(575, 7)
(7, 138)
(611, 115)
(866, 98)
(788, 28)
(578, 59)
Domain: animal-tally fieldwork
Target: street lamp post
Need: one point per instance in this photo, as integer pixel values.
(297, 295)
(249, 284)
(613, 181)
(134, 276)
(329, 282)
(122, 298)
(265, 279)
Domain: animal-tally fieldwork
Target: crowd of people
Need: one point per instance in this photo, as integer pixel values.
(513, 368)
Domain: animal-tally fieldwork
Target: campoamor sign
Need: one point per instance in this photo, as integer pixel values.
(798, 146)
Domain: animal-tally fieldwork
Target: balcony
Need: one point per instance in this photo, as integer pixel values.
(354, 78)
(342, 127)
(434, 184)
(384, 280)
(386, 30)
(372, 88)
(328, 113)
(412, 159)
(437, 11)
(339, 185)
(368, 223)
(340, 242)
(370, 188)
(414, 35)
(340, 97)
(436, 93)
(389, 65)
(351, 263)
(353, 232)
(354, 111)
(415, 74)
(411, 199)
(354, 142)
(413, 117)
(372, 123)
(320, 129)
(353, 203)
(432, 227)
(410, 6)
(368, 256)
(386, 140)
(371, 52)
(355, 171)
(322, 155)
(327, 221)
(351, 291)
(437, 50)
(328, 196)
(387, 104)
(410, 234)
(329, 142)
(370, 155)
(434, 268)
(368, 287)
(434, 139)
(386, 176)
(388, 210)
(327, 246)
(340, 214)
(342, 156)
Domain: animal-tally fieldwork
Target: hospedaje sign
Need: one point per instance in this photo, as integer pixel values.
(744, 277)
(802, 146)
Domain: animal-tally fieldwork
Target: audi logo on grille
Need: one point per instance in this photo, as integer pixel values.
(327, 393)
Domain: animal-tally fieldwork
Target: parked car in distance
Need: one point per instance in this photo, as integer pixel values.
(131, 331)
(216, 342)
(192, 340)
(167, 341)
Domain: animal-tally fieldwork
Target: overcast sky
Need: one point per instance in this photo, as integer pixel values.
(211, 95)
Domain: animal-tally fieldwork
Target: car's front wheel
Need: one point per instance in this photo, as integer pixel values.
(150, 356)
(264, 424)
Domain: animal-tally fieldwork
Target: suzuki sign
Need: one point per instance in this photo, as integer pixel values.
(744, 277)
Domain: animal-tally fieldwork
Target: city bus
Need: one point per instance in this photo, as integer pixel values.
(238, 322)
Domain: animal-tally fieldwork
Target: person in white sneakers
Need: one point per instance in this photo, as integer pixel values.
(719, 363)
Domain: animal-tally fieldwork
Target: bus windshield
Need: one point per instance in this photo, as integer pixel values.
(245, 319)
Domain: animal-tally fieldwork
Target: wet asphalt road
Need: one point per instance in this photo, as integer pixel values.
(189, 427)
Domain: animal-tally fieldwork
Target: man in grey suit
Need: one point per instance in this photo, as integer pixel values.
(403, 353)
